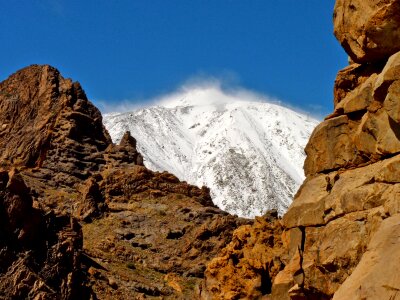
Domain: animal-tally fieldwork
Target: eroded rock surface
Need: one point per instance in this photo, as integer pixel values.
(50, 129)
(364, 127)
(157, 237)
(369, 30)
(40, 253)
(145, 234)
(254, 255)
(339, 238)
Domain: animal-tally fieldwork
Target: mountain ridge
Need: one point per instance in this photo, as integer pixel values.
(248, 152)
(81, 217)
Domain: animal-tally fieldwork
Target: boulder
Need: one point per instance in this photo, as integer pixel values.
(369, 30)
(351, 77)
(330, 146)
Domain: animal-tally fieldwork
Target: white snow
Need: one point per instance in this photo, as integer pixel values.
(248, 152)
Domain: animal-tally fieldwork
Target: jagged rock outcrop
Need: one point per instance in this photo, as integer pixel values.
(46, 121)
(50, 129)
(144, 233)
(364, 127)
(340, 236)
(40, 253)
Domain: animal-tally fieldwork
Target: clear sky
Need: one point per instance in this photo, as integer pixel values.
(137, 49)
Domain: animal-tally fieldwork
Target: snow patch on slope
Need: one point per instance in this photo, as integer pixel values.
(248, 152)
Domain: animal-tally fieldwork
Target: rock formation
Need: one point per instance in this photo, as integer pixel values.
(368, 29)
(245, 267)
(144, 233)
(156, 238)
(340, 236)
(83, 218)
(40, 253)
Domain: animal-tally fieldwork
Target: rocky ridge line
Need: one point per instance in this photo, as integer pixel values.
(83, 216)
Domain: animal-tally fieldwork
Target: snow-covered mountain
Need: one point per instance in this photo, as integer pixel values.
(248, 152)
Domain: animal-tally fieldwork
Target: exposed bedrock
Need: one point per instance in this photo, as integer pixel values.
(369, 30)
(340, 237)
(81, 217)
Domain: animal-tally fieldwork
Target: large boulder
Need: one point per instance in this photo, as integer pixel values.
(369, 30)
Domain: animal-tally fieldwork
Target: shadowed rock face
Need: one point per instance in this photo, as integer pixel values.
(40, 254)
(144, 233)
(339, 237)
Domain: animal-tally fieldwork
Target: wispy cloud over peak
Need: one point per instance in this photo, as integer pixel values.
(197, 91)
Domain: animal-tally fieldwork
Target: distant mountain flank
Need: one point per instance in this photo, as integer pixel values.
(249, 153)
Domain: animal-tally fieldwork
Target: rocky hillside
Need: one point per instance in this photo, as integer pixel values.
(340, 237)
(81, 216)
(250, 154)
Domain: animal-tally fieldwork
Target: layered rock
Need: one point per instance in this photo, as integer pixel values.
(364, 127)
(51, 130)
(340, 235)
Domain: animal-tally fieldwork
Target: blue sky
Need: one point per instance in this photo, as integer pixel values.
(131, 50)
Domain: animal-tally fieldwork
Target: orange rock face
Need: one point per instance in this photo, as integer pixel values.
(147, 234)
(245, 267)
(369, 30)
(339, 238)
(364, 127)
(44, 116)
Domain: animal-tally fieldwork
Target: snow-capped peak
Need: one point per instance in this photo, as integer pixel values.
(248, 152)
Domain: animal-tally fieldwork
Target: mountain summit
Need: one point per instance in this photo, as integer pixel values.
(247, 151)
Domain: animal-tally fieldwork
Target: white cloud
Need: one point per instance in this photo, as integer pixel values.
(199, 90)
